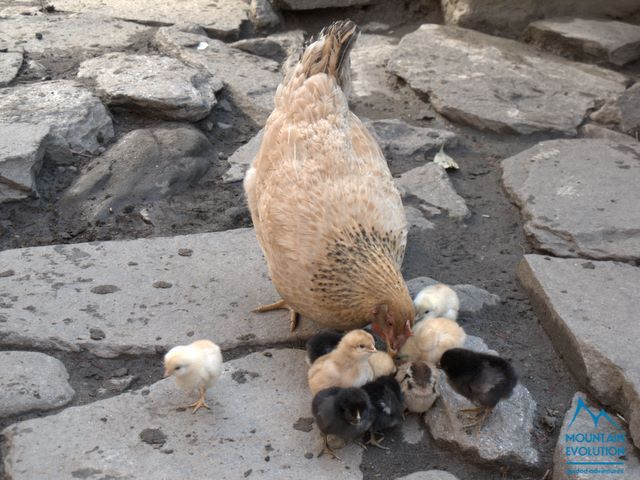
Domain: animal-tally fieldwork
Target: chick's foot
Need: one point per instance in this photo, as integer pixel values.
(376, 441)
(199, 403)
(327, 449)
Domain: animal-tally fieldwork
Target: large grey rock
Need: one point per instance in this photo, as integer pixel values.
(162, 86)
(590, 311)
(152, 437)
(506, 434)
(472, 298)
(106, 297)
(513, 16)
(32, 381)
(369, 58)
(10, 63)
(430, 183)
(622, 112)
(315, 4)
(589, 39)
(219, 19)
(416, 219)
(403, 142)
(67, 35)
(497, 84)
(277, 46)
(429, 475)
(77, 118)
(251, 80)
(242, 158)
(578, 430)
(22, 147)
(579, 197)
(263, 15)
(143, 166)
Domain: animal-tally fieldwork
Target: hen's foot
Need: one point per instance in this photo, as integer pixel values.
(280, 305)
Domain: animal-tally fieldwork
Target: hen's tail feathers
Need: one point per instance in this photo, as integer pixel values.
(329, 53)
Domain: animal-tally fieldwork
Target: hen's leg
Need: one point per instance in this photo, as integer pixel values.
(279, 305)
(200, 402)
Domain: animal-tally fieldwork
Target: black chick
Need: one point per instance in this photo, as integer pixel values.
(388, 405)
(321, 344)
(344, 412)
(482, 378)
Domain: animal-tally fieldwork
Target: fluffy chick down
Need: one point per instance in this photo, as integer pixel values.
(419, 385)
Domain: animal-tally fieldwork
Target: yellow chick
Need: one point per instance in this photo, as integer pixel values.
(437, 301)
(346, 366)
(433, 337)
(196, 366)
(382, 364)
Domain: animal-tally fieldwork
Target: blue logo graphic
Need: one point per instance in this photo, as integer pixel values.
(600, 449)
(596, 418)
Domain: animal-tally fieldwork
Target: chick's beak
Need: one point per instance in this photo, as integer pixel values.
(167, 373)
(372, 350)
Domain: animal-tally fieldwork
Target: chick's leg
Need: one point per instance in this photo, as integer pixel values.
(279, 305)
(376, 441)
(200, 402)
(326, 448)
(478, 420)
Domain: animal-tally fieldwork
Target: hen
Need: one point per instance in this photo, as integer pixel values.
(326, 213)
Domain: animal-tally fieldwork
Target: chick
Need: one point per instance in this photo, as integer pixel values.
(345, 412)
(388, 406)
(437, 301)
(321, 344)
(433, 337)
(418, 383)
(196, 366)
(482, 378)
(346, 366)
(382, 364)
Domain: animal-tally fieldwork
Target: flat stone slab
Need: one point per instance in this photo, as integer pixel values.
(472, 298)
(429, 475)
(369, 59)
(22, 147)
(162, 86)
(32, 381)
(251, 80)
(142, 167)
(505, 436)
(401, 141)
(577, 302)
(513, 16)
(67, 33)
(10, 63)
(241, 159)
(588, 39)
(430, 183)
(78, 119)
(622, 112)
(141, 296)
(315, 4)
(152, 437)
(219, 19)
(581, 441)
(497, 84)
(579, 197)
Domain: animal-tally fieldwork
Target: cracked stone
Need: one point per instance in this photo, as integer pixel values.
(579, 197)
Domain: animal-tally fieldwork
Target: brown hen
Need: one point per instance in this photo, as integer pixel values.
(327, 215)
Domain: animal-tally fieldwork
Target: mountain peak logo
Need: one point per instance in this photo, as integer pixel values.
(595, 417)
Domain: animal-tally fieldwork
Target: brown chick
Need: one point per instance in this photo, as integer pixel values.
(432, 337)
(382, 364)
(326, 212)
(418, 383)
(346, 366)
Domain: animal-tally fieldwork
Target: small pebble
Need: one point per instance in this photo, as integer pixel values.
(38, 35)
(185, 252)
(162, 284)
(120, 372)
(96, 334)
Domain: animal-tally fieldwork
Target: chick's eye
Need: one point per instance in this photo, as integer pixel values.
(360, 346)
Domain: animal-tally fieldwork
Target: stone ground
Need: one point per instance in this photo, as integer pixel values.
(100, 151)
